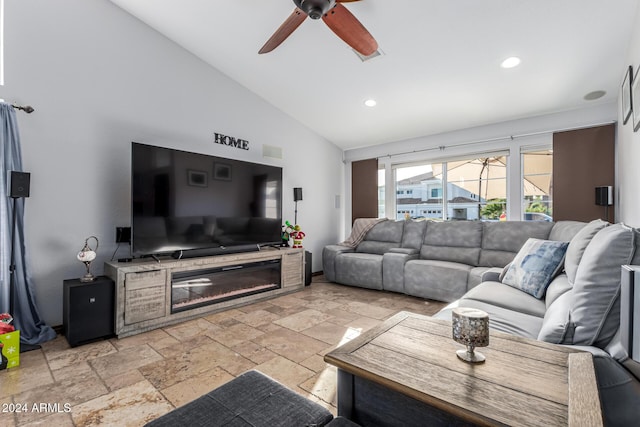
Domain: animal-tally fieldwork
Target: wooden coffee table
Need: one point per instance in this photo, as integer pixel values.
(406, 372)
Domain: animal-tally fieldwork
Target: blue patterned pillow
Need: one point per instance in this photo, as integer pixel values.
(535, 266)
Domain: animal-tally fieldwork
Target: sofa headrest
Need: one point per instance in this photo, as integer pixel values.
(595, 305)
(386, 231)
(564, 231)
(578, 245)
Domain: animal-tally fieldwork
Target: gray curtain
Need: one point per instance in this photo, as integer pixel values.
(26, 317)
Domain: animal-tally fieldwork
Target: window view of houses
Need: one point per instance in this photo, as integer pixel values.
(472, 189)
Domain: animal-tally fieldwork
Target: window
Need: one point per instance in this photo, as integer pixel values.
(412, 195)
(477, 188)
(537, 184)
(470, 189)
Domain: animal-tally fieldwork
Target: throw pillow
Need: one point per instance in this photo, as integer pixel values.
(578, 244)
(504, 271)
(535, 265)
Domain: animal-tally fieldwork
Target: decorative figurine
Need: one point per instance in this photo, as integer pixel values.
(287, 229)
(297, 235)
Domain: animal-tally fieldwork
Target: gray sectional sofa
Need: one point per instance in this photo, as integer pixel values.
(435, 260)
(466, 262)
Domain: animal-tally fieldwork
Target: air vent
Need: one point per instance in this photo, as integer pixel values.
(271, 151)
(366, 58)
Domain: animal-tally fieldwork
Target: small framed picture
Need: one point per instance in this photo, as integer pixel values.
(222, 171)
(635, 95)
(197, 178)
(627, 105)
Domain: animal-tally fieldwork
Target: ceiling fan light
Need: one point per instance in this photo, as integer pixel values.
(370, 102)
(315, 8)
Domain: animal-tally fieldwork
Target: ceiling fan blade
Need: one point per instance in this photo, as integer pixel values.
(345, 1)
(348, 28)
(288, 26)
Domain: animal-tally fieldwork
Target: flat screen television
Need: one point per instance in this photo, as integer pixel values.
(186, 203)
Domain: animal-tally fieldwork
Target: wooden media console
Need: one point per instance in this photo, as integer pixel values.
(151, 294)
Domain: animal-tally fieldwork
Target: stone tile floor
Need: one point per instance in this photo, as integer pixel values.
(133, 380)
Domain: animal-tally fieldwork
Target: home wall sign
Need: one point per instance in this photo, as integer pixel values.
(231, 141)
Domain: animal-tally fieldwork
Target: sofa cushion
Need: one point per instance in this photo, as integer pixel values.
(535, 265)
(413, 233)
(382, 237)
(437, 280)
(456, 241)
(556, 326)
(500, 319)
(502, 240)
(359, 269)
(557, 287)
(386, 231)
(508, 297)
(476, 276)
(595, 307)
(578, 244)
(564, 231)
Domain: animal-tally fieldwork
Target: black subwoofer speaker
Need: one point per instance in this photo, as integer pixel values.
(307, 268)
(88, 310)
(19, 184)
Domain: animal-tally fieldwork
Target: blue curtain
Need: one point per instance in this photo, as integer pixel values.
(26, 317)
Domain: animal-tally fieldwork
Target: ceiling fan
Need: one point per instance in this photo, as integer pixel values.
(335, 15)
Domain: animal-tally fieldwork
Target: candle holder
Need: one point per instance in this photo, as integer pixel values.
(470, 327)
(86, 256)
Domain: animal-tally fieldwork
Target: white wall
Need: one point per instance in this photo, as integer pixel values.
(99, 79)
(628, 147)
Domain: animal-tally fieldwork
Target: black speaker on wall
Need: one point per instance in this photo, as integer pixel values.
(604, 196)
(297, 194)
(19, 183)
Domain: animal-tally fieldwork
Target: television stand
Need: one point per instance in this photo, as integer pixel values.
(143, 288)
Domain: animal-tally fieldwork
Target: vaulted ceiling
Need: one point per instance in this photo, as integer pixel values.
(440, 69)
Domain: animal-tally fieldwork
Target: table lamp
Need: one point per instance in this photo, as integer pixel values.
(86, 256)
(471, 328)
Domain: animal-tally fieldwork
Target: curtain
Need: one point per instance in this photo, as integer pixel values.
(26, 317)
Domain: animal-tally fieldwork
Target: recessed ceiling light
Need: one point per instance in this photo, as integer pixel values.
(370, 103)
(511, 62)
(596, 94)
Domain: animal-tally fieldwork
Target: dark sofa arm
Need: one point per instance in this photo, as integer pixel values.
(619, 392)
(492, 275)
(329, 254)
